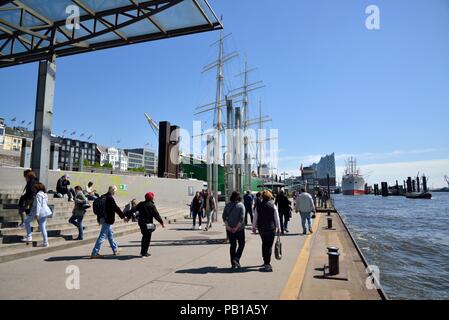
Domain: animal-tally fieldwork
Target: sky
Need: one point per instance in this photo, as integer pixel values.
(331, 85)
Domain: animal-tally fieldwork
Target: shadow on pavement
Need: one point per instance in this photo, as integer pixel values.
(106, 257)
(166, 243)
(206, 270)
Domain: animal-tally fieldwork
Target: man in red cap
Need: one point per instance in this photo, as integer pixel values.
(147, 212)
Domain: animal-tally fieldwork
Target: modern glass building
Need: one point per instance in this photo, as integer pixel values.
(142, 157)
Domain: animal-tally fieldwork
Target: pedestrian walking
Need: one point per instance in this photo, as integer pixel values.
(325, 199)
(248, 201)
(105, 208)
(266, 221)
(233, 217)
(195, 207)
(79, 210)
(319, 195)
(209, 206)
(147, 212)
(284, 209)
(304, 205)
(27, 198)
(40, 211)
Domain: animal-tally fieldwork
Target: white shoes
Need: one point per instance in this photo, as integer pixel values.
(199, 227)
(44, 245)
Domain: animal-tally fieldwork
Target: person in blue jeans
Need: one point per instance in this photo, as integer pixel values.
(106, 222)
(305, 206)
(79, 211)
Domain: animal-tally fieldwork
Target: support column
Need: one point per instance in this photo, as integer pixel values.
(54, 156)
(40, 158)
(25, 155)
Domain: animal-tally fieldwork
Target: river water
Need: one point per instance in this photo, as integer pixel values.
(407, 239)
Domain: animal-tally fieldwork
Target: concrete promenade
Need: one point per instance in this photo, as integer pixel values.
(188, 264)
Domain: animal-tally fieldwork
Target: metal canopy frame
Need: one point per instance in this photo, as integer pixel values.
(24, 42)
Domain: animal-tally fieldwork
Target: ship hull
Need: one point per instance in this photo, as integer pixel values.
(353, 192)
(353, 185)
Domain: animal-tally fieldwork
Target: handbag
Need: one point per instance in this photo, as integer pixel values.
(278, 248)
(151, 227)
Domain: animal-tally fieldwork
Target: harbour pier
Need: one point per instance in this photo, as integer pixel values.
(185, 263)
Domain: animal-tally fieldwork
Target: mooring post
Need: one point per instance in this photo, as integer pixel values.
(333, 256)
(329, 223)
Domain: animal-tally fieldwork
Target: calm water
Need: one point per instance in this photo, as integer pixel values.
(407, 239)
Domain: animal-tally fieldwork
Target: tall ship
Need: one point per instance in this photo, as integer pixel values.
(352, 182)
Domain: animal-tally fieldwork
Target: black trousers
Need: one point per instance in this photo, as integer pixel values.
(146, 239)
(248, 210)
(283, 216)
(267, 244)
(234, 238)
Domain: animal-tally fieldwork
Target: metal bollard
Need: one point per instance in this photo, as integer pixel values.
(329, 223)
(332, 249)
(334, 267)
(329, 213)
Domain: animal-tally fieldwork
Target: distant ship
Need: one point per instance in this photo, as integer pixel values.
(352, 182)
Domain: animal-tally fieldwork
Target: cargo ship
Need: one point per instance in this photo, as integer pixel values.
(352, 182)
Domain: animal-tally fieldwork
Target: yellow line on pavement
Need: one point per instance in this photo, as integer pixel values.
(292, 288)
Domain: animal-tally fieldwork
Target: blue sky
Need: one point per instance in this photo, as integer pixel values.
(331, 84)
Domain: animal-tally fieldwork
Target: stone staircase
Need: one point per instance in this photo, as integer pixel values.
(60, 232)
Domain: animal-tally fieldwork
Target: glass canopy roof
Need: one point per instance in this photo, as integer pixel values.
(33, 30)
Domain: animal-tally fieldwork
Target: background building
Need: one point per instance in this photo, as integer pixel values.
(72, 151)
(13, 138)
(326, 166)
(147, 156)
(112, 155)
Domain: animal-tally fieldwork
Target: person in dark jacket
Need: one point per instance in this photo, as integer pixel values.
(284, 209)
(147, 212)
(266, 220)
(27, 198)
(248, 201)
(106, 222)
(233, 217)
(62, 187)
(196, 208)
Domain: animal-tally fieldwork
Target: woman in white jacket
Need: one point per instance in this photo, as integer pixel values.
(40, 211)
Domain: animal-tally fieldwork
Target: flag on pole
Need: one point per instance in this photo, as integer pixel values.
(22, 122)
(13, 119)
(74, 132)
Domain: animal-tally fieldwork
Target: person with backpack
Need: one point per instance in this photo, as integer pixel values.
(147, 212)
(209, 206)
(266, 220)
(40, 211)
(233, 217)
(105, 208)
(79, 210)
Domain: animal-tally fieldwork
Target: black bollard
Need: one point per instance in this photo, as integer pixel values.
(334, 267)
(329, 223)
(332, 249)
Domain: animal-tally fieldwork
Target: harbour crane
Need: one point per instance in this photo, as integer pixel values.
(447, 179)
(153, 124)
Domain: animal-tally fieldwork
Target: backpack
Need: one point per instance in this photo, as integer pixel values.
(99, 206)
